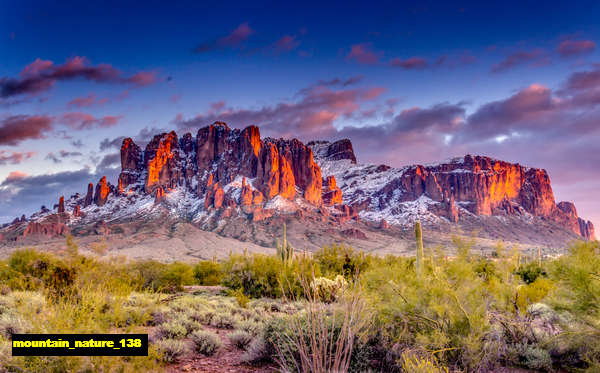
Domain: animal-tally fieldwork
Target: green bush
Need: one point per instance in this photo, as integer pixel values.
(530, 272)
(171, 350)
(208, 273)
(206, 342)
(156, 276)
(341, 260)
(171, 330)
(240, 339)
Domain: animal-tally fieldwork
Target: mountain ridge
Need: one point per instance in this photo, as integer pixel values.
(225, 175)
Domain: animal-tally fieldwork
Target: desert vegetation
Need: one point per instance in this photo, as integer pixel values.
(335, 310)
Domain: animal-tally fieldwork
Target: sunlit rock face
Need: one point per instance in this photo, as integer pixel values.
(161, 159)
(102, 191)
(487, 185)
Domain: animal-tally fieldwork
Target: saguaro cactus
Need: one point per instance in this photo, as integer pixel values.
(420, 254)
(539, 256)
(285, 251)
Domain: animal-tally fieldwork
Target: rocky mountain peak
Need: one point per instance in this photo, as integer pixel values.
(223, 174)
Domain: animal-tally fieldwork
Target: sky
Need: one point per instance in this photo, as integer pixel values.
(407, 82)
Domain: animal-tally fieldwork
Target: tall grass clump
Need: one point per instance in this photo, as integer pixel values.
(323, 337)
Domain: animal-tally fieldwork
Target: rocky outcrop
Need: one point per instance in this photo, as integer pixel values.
(131, 164)
(77, 211)
(341, 149)
(336, 151)
(161, 159)
(61, 204)
(52, 226)
(89, 197)
(159, 194)
(332, 194)
(102, 191)
(586, 229)
(460, 187)
(568, 217)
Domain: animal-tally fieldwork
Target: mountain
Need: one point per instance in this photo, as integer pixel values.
(237, 186)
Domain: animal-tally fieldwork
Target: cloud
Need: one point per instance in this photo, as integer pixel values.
(62, 154)
(569, 48)
(409, 63)
(110, 160)
(51, 157)
(231, 41)
(87, 101)
(583, 80)
(15, 175)
(364, 54)
(41, 75)
(286, 43)
(115, 143)
(14, 157)
(81, 121)
(313, 112)
(17, 128)
(535, 57)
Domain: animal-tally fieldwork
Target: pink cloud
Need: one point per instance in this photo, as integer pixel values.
(14, 157)
(311, 114)
(15, 175)
(232, 40)
(535, 57)
(17, 128)
(409, 63)
(143, 78)
(286, 43)
(569, 48)
(87, 101)
(363, 54)
(81, 121)
(41, 75)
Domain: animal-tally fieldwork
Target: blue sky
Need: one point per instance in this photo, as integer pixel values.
(407, 82)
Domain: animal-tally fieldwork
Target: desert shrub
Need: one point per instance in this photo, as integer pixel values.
(252, 327)
(414, 363)
(533, 292)
(204, 317)
(206, 342)
(530, 272)
(173, 329)
(10, 324)
(241, 298)
(259, 275)
(323, 338)
(171, 350)
(447, 309)
(576, 278)
(157, 276)
(258, 351)
(328, 290)
(60, 281)
(240, 339)
(341, 260)
(208, 273)
(28, 269)
(223, 321)
(533, 357)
